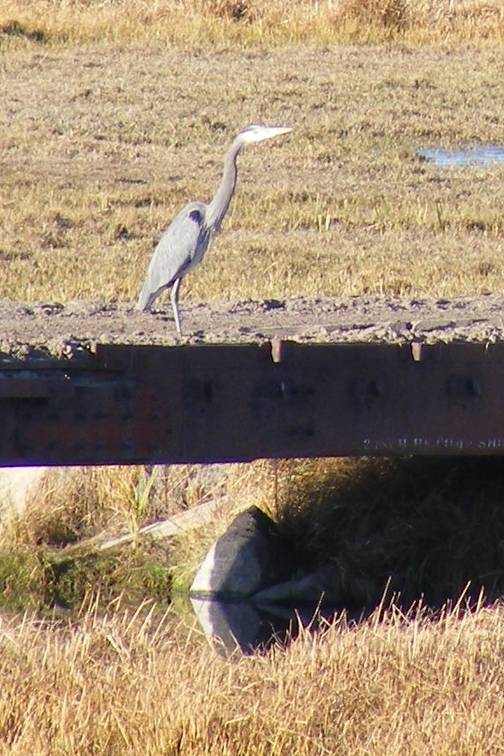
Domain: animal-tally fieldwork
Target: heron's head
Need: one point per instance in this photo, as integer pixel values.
(257, 133)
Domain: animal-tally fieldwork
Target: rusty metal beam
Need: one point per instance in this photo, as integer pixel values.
(142, 404)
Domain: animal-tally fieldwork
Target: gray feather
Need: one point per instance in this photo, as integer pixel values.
(181, 246)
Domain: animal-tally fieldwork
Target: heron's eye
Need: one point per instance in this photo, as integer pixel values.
(195, 216)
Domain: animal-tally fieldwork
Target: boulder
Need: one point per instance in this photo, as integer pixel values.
(250, 556)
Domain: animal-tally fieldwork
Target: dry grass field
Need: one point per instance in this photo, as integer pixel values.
(112, 115)
(114, 684)
(102, 141)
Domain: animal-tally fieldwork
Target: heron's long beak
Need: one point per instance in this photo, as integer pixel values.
(273, 131)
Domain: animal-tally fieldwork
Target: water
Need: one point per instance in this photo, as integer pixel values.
(483, 156)
(246, 627)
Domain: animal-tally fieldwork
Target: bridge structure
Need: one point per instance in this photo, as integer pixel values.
(201, 403)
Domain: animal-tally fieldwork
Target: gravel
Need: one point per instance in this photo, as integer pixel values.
(67, 330)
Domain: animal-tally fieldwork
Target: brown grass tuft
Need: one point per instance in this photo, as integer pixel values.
(230, 10)
(390, 14)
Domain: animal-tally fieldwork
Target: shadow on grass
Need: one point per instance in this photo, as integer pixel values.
(426, 527)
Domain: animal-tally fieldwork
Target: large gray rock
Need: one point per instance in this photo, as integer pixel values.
(251, 555)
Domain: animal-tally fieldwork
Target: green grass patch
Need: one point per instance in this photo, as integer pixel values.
(43, 580)
(21, 580)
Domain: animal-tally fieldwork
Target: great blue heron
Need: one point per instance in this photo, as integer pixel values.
(189, 235)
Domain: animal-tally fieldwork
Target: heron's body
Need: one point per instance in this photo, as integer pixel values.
(180, 249)
(184, 243)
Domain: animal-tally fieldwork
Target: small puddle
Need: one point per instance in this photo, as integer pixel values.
(483, 156)
(246, 627)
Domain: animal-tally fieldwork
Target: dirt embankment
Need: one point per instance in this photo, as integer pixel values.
(63, 330)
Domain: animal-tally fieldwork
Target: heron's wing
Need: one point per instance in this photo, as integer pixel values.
(174, 253)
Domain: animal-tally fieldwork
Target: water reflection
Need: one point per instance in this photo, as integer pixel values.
(247, 627)
(477, 156)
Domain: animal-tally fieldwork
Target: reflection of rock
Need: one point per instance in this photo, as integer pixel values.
(235, 625)
(242, 625)
(17, 486)
(249, 556)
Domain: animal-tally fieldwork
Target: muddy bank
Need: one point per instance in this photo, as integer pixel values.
(75, 327)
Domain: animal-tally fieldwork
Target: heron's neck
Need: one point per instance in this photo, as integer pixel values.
(217, 208)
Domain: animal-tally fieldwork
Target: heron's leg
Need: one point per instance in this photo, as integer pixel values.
(174, 303)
